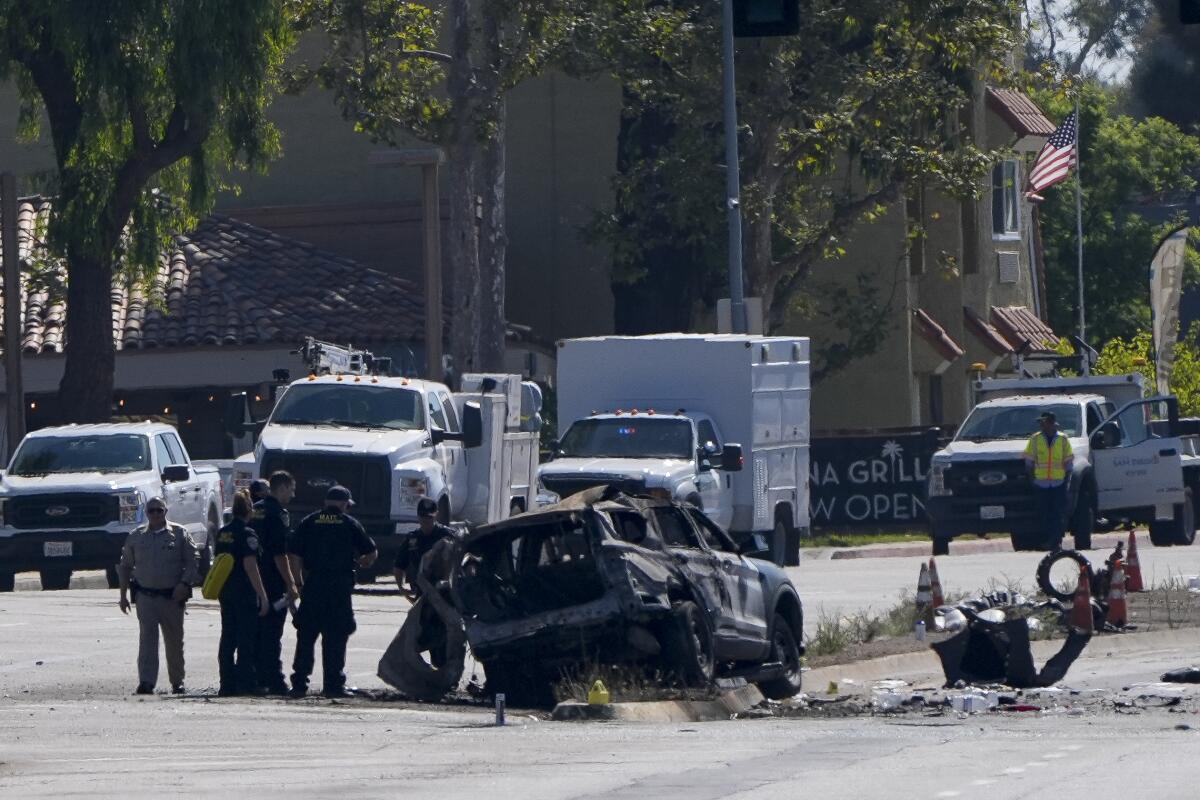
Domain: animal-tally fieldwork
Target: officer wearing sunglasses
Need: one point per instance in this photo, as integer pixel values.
(160, 566)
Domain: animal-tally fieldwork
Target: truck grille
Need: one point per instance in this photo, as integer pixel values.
(985, 479)
(566, 485)
(62, 511)
(367, 478)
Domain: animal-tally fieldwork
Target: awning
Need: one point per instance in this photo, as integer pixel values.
(942, 344)
(1019, 112)
(1022, 327)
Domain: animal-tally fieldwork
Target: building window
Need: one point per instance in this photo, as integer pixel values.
(1005, 199)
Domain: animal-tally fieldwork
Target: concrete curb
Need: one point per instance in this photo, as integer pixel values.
(734, 701)
(958, 547)
(925, 665)
(31, 582)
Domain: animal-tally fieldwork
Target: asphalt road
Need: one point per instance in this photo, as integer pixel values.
(71, 728)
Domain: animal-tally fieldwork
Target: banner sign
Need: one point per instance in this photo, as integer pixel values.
(872, 480)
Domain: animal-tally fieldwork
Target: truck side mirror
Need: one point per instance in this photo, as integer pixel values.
(176, 473)
(237, 412)
(472, 425)
(731, 458)
(1106, 437)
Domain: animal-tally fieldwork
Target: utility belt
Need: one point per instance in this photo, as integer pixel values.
(135, 589)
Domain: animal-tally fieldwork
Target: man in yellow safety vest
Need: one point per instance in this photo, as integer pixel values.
(1048, 457)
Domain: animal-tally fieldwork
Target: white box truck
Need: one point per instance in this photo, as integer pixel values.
(678, 415)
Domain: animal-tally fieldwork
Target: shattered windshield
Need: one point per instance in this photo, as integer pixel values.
(57, 454)
(1016, 422)
(633, 437)
(350, 406)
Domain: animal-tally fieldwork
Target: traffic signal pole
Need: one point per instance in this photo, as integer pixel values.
(733, 206)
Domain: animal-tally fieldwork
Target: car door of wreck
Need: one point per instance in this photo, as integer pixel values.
(683, 542)
(741, 576)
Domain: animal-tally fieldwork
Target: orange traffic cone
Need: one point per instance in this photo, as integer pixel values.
(1133, 571)
(924, 596)
(1116, 596)
(935, 585)
(1081, 610)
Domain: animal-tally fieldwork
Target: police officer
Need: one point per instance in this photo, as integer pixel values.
(328, 545)
(273, 526)
(158, 561)
(1048, 459)
(243, 602)
(418, 544)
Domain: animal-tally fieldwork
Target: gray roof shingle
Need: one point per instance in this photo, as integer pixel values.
(227, 283)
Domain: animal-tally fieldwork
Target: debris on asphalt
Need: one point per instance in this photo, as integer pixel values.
(999, 652)
(1184, 675)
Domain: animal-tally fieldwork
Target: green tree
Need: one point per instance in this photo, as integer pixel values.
(1074, 33)
(1128, 167)
(390, 79)
(1136, 354)
(1165, 79)
(147, 102)
(836, 124)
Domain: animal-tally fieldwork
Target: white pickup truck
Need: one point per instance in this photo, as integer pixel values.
(677, 414)
(1131, 462)
(393, 441)
(71, 495)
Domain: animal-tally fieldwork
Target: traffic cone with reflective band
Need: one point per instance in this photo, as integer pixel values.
(1133, 569)
(1117, 613)
(924, 596)
(935, 585)
(1081, 610)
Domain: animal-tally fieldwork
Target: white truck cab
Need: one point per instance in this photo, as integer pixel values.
(394, 441)
(71, 494)
(1129, 462)
(680, 414)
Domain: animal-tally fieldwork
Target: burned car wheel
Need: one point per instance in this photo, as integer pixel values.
(785, 649)
(688, 645)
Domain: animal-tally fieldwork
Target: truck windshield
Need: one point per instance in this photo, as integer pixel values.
(1016, 422)
(44, 455)
(636, 437)
(350, 406)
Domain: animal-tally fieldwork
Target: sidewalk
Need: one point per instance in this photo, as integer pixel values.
(965, 545)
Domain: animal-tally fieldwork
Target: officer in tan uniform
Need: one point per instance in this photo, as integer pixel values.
(158, 562)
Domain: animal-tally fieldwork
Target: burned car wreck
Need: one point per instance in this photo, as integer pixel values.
(609, 578)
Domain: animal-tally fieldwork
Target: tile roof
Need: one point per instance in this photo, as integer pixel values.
(986, 332)
(929, 330)
(1019, 112)
(1019, 326)
(227, 283)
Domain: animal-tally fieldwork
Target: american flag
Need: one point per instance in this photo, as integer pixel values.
(1056, 159)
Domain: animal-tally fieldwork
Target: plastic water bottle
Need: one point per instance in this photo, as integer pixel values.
(919, 630)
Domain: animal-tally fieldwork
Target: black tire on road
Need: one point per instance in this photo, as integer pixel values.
(785, 648)
(112, 577)
(8, 581)
(1179, 530)
(1083, 520)
(1047, 564)
(55, 580)
(688, 645)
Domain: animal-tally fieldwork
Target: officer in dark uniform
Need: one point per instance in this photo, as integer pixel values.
(243, 601)
(274, 529)
(328, 546)
(419, 543)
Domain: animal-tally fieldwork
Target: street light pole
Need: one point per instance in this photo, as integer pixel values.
(737, 299)
(14, 389)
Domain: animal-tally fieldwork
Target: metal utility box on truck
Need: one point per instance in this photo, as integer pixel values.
(656, 412)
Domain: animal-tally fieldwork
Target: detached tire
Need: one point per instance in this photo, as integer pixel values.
(785, 649)
(55, 580)
(688, 645)
(1045, 566)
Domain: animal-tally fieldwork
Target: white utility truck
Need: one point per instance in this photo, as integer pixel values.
(679, 414)
(393, 441)
(71, 495)
(1131, 462)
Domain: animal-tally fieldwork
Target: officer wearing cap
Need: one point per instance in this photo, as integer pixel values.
(1048, 459)
(328, 545)
(419, 543)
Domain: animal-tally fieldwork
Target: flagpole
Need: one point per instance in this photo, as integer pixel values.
(1079, 227)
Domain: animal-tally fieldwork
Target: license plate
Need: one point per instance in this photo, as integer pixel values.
(56, 549)
(991, 512)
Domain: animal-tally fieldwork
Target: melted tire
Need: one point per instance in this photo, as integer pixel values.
(1046, 565)
(688, 646)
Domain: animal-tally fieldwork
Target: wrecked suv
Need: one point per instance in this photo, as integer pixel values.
(608, 578)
